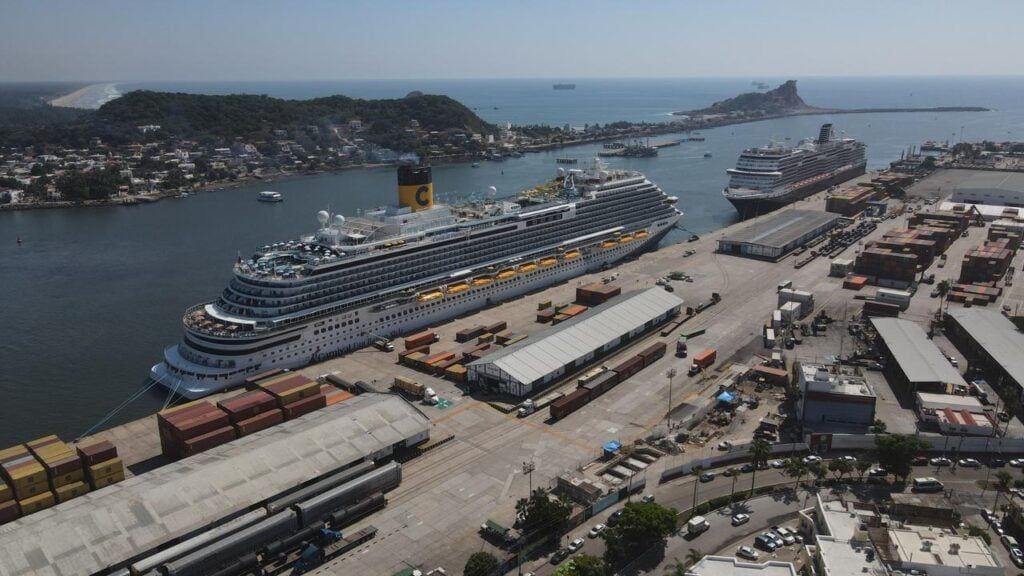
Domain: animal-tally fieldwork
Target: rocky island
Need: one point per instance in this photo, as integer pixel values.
(785, 101)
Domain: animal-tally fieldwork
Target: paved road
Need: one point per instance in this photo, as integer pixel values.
(765, 511)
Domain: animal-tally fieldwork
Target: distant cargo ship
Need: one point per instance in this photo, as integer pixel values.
(400, 268)
(564, 86)
(770, 177)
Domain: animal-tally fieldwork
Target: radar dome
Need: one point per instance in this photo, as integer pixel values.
(322, 217)
(339, 220)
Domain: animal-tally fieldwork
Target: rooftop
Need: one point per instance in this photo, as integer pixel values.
(782, 228)
(917, 356)
(992, 180)
(557, 346)
(116, 523)
(820, 379)
(997, 335)
(845, 558)
(928, 546)
(727, 566)
(841, 520)
(955, 401)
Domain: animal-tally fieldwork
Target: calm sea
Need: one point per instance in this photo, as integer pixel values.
(92, 296)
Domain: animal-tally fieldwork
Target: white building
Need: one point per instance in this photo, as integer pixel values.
(728, 566)
(939, 553)
(995, 188)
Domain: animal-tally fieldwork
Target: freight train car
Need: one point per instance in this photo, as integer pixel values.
(251, 539)
(337, 479)
(319, 507)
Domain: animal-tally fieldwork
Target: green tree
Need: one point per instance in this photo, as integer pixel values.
(587, 565)
(975, 531)
(175, 179)
(1003, 482)
(862, 466)
(642, 526)
(840, 468)
(896, 452)
(94, 185)
(759, 452)
(481, 564)
(818, 471)
(544, 517)
(795, 468)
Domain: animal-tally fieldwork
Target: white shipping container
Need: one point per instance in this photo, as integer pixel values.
(792, 311)
(769, 338)
(777, 319)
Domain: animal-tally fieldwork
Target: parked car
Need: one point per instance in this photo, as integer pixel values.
(576, 544)
(850, 459)
(779, 542)
(747, 552)
(562, 554)
(811, 458)
(707, 477)
(968, 463)
(920, 460)
(615, 517)
(1017, 462)
(996, 463)
(787, 535)
(725, 446)
(878, 471)
(765, 542)
(596, 530)
(777, 463)
(940, 461)
(748, 467)
(740, 518)
(647, 498)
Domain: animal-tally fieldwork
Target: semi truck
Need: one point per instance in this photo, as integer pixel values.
(681, 347)
(703, 360)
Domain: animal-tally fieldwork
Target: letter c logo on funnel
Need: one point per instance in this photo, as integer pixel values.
(421, 196)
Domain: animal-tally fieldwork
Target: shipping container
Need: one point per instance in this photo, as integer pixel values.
(515, 339)
(467, 334)
(69, 491)
(569, 403)
(247, 405)
(107, 480)
(772, 375)
(425, 350)
(252, 380)
(409, 386)
(435, 359)
(559, 318)
(596, 294)
(485, 338)
(259, 422)
(652, 353)
(22, 490)
(502, 337)
(304, 406)
(546, 315)
(294, 393)
(602, 383)
(627, 368)
(497, 327)
(103, 469)
(875, 308)
(209, 440)
(337, 396)
(574, 310)
(420, 339)
(96, 451)
(5, 492)
(705, 358)
(183, 429)
(36, 503)
(9, 511)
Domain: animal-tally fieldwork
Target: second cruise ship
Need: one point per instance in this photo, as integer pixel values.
(400, 268)
(772, 176)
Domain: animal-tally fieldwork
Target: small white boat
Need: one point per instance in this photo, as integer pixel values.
(270, 196)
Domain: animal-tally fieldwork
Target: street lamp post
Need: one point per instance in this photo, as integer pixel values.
(671, 373)
(528, 468)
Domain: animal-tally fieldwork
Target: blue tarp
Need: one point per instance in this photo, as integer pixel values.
(726, 397)
(612, 447)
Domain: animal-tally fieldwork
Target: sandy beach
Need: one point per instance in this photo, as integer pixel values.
(90, 97)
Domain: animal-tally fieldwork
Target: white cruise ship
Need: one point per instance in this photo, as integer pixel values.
(401, 268)
(772, 176)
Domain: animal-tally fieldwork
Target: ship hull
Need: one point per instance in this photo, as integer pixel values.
(752, 206)
(401, 318)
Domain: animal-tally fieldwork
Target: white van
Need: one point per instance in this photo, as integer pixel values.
(927, 485)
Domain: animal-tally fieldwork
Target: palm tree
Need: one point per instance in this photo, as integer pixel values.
(1003, 482)
(818, 471)
(693, 556)
(795, 468)
(679, 568)
(760, 451)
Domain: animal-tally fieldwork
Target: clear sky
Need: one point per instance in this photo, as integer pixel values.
(145, 40)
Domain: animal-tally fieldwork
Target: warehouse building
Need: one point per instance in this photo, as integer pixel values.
(524, 368)
(991, 187)
(989, 341)
(833, 402)
(913, 361)
(778, 234)
(117, 524)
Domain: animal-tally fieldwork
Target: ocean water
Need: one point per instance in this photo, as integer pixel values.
(92, 296)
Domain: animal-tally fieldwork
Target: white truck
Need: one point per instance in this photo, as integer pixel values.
(526, 408)
(697, 525)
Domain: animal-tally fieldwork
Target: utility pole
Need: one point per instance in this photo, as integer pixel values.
(671, 373)
(528, 469)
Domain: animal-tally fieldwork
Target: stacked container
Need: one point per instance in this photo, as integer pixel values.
(467, 334)
(252, 412)
(9, 510)
(26, 478)
(986, 263)
(63, 467)
(192, 428)
(295, 394)
(546, 315)
(102, 466)
(420, 339)
(594, 294)
(334, 395)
